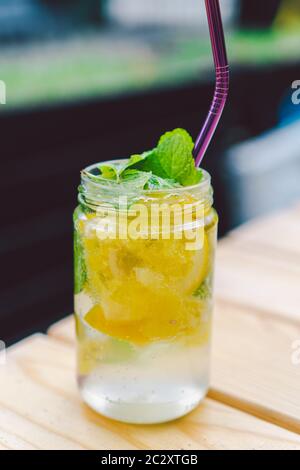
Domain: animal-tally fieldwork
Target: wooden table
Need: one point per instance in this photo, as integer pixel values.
(254, 401)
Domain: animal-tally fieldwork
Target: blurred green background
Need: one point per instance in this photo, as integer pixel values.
(92, 80)
(87, 48)
(94, 65)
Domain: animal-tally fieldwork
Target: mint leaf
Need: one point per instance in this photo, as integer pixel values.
(111, 171)
(145, 180)
(135, 179)
(194, 176)
(149, 162)
(79, 264)
(178, 133)
(137, 159)
(155, 182)
(204, 291)
(114, 175)
(175, 156)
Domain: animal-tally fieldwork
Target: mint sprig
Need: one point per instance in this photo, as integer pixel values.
(170, 164)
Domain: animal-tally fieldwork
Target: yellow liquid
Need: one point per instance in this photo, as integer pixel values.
(144, 317)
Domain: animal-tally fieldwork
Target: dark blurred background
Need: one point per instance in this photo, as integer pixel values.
(90, 80)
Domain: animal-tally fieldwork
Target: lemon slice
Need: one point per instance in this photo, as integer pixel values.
(163, 319)
(194, 275)
(138, 314)
(158, 264)
(166, 264)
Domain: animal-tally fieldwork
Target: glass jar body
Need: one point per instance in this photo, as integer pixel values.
(143, 307)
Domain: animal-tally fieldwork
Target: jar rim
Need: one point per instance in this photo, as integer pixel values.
(86, 174)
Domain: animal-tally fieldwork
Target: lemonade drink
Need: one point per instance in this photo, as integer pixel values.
(143, 296)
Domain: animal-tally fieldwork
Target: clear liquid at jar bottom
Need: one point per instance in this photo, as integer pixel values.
(150, 384)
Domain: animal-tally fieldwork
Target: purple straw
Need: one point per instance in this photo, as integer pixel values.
(222, 79)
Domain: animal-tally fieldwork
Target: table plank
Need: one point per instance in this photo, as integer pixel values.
(251, 362)
(275, 235)
(11, 441)
(40, 393)
(64, 330)
(18, 431)
(252, 280)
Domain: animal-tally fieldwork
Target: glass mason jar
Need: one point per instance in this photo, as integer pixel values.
(144, 264)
